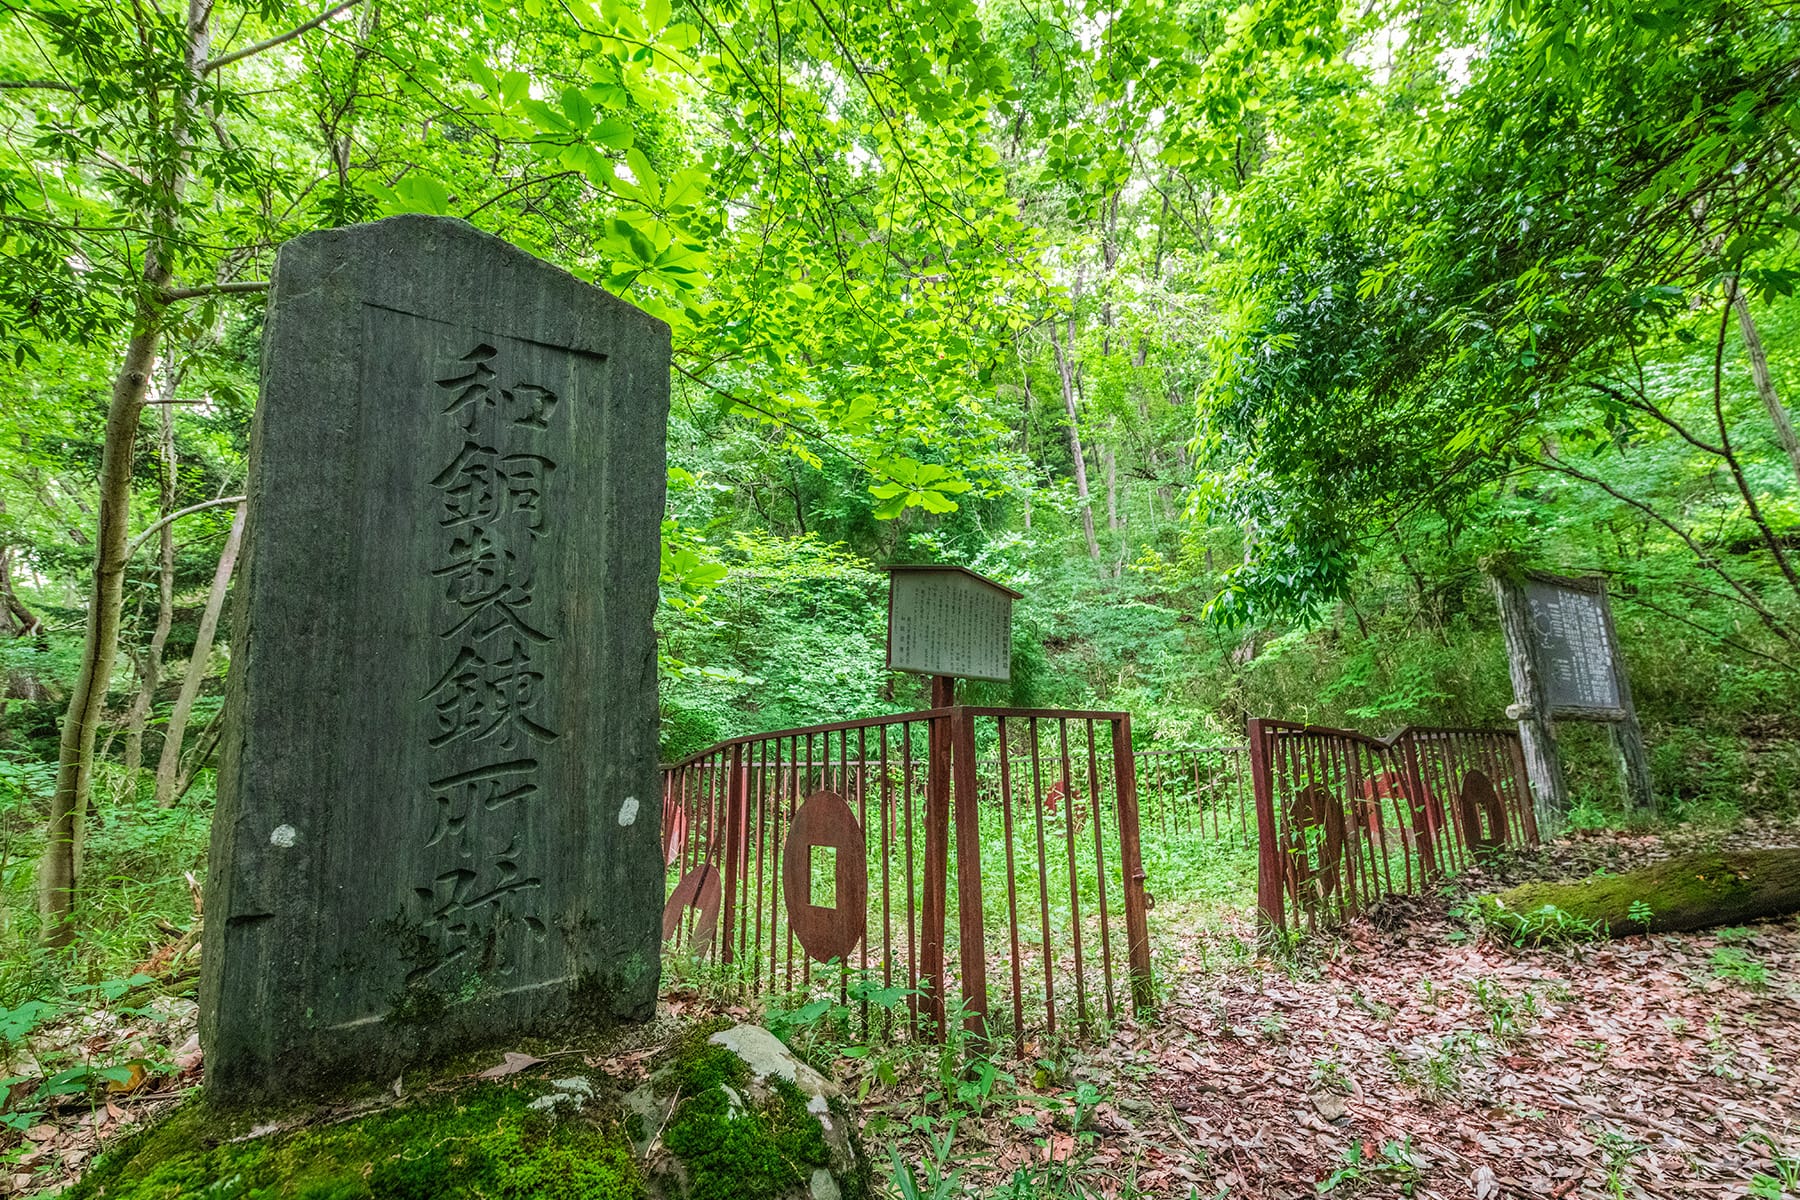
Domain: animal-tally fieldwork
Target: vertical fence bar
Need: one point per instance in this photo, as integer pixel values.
(1100, 867)
(1269, 856)
(971, 938)
(735, 799)
(1037, 808)
(1131, 867)
(1012, 888)
(937, 863)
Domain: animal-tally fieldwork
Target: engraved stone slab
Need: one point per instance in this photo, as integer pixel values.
(441, 721)
(1572, 632)
(949, 621)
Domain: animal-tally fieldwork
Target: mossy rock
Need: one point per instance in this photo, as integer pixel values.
(713, 1124)
(1694, 891)
(732, 1114)
(483, 1141)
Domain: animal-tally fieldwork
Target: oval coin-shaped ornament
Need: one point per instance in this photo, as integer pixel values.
(828, 926)
(1478, 799)
(699, 890)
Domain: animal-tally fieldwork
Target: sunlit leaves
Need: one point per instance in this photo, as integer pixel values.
(916, 485)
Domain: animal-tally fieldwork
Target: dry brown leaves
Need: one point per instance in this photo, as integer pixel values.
(1633, 1068)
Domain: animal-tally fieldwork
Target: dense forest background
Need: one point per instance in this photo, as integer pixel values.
(1245, 340)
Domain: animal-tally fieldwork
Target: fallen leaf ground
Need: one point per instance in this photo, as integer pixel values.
(1405, 1055)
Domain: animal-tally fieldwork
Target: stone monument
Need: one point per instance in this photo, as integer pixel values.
(438, 791)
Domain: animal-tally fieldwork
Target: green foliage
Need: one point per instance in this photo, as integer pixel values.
(1737, 965)
(1397, 1165)
(1544, 925)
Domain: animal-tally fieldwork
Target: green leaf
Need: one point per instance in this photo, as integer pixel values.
(576, 106)
(645, 174)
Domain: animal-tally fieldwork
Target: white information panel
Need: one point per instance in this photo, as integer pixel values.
(1577, 651)
(948, 621)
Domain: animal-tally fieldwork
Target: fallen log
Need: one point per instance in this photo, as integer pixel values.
(1694, 891)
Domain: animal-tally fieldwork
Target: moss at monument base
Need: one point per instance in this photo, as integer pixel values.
(720, 1129)
(482, 1143)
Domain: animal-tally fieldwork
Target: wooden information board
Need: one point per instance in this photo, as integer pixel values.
(949, 621)
(1574, 636)
(1563, 654)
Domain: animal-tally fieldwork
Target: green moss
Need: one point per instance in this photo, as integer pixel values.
(480, 1144)
(735, 1152)
(729, 1148)
(695, 1063)
(1690, 892)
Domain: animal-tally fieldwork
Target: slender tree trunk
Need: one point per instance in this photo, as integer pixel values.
(1109, 470)
(168, 764)
(1065, 371)
(58, 869)
(1765, 382)
(57, 873)
(15, 619)
(1751, 507)
(149, 664)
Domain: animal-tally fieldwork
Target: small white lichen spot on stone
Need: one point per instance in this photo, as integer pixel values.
(628, 810)
(284, 836)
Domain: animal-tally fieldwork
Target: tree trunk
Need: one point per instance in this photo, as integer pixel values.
(150, 664)
(1109, 468)
(1065, 372)
(1695, 891)
(1765, 383)
(167, 765)
(1537, 738)
(59, 868)
(57, 872)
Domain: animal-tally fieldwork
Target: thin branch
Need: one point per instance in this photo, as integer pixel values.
(520, 186)
(233, 288)
(278, 39)
(1722, 638)
(1737, 471)
(1651, 410)
(1551, 463)
(152, 531)
(46, 85)
(777, 419)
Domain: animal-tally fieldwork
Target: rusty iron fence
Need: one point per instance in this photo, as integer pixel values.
(983, 852)
(1344, 819)
(1199, 792)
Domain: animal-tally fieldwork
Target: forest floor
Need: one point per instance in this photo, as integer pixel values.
(1409, 1056)
(1406, 1055)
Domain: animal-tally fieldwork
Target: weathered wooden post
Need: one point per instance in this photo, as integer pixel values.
(951, 623)
(1563, 654)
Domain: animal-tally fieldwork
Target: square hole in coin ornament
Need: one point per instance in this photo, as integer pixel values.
(823, 864)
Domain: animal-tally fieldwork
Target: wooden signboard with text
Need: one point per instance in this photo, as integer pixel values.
(949, 622)
(1563, 654)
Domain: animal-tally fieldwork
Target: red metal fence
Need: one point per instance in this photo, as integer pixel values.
(1197, 792)
(818, 861)
(1344, 819)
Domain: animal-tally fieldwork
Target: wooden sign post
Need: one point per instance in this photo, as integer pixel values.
(1563, 654)
(950, 623)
